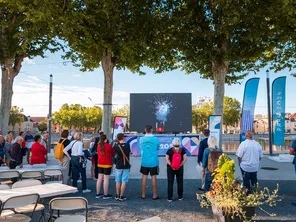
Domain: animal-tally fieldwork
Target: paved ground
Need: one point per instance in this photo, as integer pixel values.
(188, 210)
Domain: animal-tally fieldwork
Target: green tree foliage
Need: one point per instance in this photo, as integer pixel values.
(231, 113)
(113, 34)
(77, 116)
(200, 117)
(283, 56)
(222, 40)
(42, 126)
(25, 33)
(15, 116)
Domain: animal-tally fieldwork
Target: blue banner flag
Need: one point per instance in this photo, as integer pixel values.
(249, 102)
(278, 110)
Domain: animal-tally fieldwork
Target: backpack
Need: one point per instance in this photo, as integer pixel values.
(213, 159)
(176, 159)
(59, 150)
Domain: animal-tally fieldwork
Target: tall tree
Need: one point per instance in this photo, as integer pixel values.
(15, 116)
(222, 40)
(25, 33)
(113, 34)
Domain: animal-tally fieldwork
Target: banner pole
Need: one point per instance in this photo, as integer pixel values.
(269, 112)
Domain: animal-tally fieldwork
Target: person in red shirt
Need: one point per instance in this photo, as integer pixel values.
(105, 153)
(22, 134)
(39, 152)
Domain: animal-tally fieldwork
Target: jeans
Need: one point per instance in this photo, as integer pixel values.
(171, 176)
(208, 181)
(77, 169)
(249, 180)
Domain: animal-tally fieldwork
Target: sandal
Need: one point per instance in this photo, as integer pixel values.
(156, 198)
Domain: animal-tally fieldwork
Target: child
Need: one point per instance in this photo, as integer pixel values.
(105, 153)
(122, 153)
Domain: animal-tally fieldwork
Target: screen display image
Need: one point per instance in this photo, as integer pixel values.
(166, 112)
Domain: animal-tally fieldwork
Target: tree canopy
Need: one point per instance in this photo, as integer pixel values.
(77, 116)
(25, 33)
(231, 113)
(15, 116)
(114, 34)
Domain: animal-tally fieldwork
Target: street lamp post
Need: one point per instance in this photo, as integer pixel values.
(49, 114)
(269, 112)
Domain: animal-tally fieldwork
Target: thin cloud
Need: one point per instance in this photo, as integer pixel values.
(28, 61)
(36, 97)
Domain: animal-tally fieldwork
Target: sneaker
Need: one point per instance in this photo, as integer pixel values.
(117, 197)
(170, 200)
(107, 197)
(79, 181)
(180, 198)
(100, 195)
(122, 198)
(86, 191)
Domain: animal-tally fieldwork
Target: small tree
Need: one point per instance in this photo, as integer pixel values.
(15, 116)
(231, 113)
(42, 126)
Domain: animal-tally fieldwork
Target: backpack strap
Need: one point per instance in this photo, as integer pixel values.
(124, 156)
(62, 141)
(175, 151)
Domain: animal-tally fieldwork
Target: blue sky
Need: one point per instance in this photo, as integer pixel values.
(73, 86)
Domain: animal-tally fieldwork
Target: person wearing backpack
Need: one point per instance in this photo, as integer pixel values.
(176, 158)
(210, 161)
(122, 153)
(59, 150)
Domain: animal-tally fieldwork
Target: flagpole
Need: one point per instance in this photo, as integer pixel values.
(269, 112)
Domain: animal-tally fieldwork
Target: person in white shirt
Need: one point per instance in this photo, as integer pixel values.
(78, 161)
(249, 154)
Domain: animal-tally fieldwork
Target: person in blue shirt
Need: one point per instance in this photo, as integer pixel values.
(293, 152)
(149, 151)
(212, 145)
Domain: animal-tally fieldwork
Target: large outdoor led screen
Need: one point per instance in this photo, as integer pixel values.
(166, 112)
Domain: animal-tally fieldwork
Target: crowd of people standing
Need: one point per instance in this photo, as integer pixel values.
(13, 148)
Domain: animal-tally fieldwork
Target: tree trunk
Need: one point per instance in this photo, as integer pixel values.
(219, 70)
(108, 67)
(6, 96)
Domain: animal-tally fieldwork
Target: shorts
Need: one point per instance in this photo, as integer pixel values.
(105, 171)
(121, 175)
(152, 170)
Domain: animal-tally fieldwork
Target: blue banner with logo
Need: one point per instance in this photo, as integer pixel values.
(278, 110)
(189, 142)
(249, 102)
